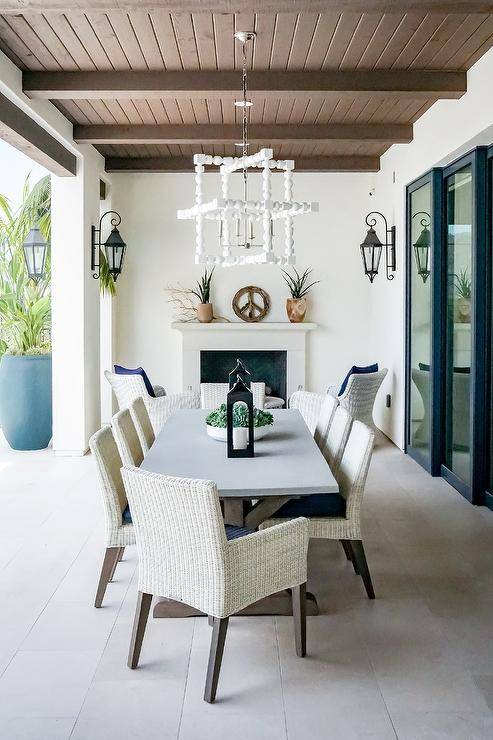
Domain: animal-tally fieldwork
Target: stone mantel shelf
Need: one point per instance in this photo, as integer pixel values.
(243, 326)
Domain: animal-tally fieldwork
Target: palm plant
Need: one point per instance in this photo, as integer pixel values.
(203, 291)
(297, 285)
(25, 306)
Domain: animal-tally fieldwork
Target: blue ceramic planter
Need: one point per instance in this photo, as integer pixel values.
(25, 401)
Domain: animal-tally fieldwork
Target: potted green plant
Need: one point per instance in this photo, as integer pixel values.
(205, 310)
(25, 324)
(296, 305)
(216, 421)
(463, 288)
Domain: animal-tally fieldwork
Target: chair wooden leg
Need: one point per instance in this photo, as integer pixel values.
(107, 570)
(298, 595)
(350, 555)
(117, 560)
(360, 557)
(219, 629)
(210, 620)
(140, 621)
(120, 557)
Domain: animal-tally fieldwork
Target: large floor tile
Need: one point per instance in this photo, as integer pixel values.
(38, 728)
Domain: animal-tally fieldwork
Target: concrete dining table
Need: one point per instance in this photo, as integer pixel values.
(287, 464)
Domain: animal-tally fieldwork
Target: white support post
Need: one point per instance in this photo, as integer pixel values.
(75, 304)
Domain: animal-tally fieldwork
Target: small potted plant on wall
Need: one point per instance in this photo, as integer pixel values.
(296, 305)
(205, 311)
(463, 287)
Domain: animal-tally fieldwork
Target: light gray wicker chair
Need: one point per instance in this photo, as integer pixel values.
(325, 417)
(336, 437)
(142, 424)
(359, 395)
(309, 406)
(127, 439)
(351, 476)
(119, 534)
(213, 395)
(128, 388)
(184, 555)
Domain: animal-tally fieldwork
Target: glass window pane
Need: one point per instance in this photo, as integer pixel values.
(419, 428)
(458, 334)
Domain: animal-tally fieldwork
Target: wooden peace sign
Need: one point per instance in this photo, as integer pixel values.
(255, 307)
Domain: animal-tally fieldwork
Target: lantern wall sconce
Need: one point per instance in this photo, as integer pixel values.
(114, 247)
(422, 246)
(35, 249)
(371, 248)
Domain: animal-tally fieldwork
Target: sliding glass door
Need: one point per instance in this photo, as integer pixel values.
(458, 337)
(420, 247)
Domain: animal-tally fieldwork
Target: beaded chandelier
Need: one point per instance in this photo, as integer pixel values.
(246, 226)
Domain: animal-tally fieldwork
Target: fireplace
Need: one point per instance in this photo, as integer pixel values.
(267, 366)
(209, 352)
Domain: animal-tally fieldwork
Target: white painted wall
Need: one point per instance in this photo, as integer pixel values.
(161, 252)
(449, 129)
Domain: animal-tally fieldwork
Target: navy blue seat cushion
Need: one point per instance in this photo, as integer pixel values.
(232, 532)
(119, 370)
(316, 505)
(356, 370)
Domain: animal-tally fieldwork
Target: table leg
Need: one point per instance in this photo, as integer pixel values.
(233, 512)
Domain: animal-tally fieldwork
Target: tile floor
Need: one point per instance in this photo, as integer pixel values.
(415, 663)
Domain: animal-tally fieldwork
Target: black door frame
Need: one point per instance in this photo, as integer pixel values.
(481, 162)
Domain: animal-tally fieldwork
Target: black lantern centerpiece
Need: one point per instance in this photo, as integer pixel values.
(239, 393)
(241, 371)
(422, 247)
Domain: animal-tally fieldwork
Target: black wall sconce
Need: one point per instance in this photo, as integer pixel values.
(35, 249)
(114, 247)
(422, 246)
(371, 248)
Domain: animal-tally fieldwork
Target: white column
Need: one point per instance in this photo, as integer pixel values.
(75, 302)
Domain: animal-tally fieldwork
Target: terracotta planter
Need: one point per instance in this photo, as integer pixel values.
(296, 309)
(205, 313)
(463, 310)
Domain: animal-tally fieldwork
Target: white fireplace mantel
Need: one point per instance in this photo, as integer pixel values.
(243, 336)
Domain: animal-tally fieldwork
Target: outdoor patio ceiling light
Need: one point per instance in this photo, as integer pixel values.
(421, 246)
(35, 249)
(114, 247)
(371, 248)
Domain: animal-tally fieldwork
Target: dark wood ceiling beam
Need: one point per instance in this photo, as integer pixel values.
(272, 133)
(19, 130)
(270, 83)
(263, 6)
(185, 164)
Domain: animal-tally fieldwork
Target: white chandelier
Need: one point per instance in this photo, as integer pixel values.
(240, 220)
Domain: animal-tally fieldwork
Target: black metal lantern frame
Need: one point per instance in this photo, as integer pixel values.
(239, 393)
(114, 247)
(240, 371)
(35, 249)
(421, 246)
(372, 247)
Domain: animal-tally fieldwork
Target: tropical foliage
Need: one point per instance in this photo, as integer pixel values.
(217, 418)
(25, 306)
(463, 285)
(203, 291)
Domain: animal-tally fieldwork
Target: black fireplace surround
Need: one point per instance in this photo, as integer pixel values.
(267, 366)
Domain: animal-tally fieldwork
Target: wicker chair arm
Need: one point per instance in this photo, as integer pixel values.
(162, 407)
(333, 390)
(265, 562)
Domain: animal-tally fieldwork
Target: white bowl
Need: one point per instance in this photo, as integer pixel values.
(220, 433)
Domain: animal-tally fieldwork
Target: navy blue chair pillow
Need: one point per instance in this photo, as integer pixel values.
(356, 370)
(119, 370)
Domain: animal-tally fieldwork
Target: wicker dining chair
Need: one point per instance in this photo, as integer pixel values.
(184, 554)
(359, 395)
(127, 438)
(128, 388)
(118, 533)
(309, 406)
(336, 437)
(325, 416)
(213, 395)
(346, 526)
(142, 424)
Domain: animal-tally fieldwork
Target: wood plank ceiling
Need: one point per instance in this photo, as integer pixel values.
(172, 127)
